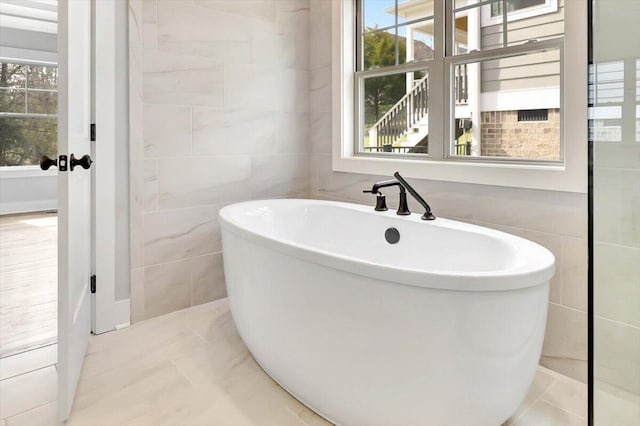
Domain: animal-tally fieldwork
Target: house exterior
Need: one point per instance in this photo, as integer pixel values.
(507, 107)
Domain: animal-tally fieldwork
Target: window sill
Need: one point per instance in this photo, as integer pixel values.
(18, 172)
(545, 177)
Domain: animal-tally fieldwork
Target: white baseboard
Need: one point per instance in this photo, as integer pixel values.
(123, 313)
(13, 207)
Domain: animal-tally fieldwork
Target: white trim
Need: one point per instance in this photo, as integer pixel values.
(104, 167)
(550, 6)
(27, 189)
(19, 172)
(28, 24)
(28, 206)
(520, 99)
(570, 176)
(123, 313)
(35, 57)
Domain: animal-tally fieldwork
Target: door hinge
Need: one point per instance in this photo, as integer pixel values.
(93, 132)
(93, 284)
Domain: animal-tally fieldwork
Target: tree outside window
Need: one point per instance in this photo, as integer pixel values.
(28, 108)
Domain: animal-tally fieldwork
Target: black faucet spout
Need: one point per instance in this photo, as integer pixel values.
(403, 206)
(428, 215)
(375, 189)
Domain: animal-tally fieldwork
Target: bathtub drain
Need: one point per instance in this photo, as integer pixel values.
(392, 235)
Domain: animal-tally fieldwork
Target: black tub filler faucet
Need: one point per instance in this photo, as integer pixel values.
(403, 207)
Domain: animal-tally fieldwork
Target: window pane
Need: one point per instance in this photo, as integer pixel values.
(417, 40)
(480, 27)
(42, 77)
(409, 10)
(379, 13)
(12, 100)
(42, 102)
(12, 75)
(513, 5)
(508, 107)
(388, 41)
(380, 49)
(24, 140)
(471, 35)
(541, 27)
(396, 113)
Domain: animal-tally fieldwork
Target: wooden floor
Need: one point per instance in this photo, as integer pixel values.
(28, 281)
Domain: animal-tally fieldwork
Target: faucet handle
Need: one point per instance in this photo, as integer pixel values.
(381, 200)
(381, 203)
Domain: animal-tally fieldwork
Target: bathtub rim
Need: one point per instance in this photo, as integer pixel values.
(472, 281)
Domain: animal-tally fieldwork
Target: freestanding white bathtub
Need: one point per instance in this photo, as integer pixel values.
(443, 328)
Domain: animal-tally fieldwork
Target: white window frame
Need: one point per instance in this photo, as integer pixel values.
(570, 175)
(30, 170)
(486, 19)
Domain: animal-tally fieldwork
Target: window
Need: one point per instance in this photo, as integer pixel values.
(514, 6)
(28, 106)
(431, 85)
(395, 54)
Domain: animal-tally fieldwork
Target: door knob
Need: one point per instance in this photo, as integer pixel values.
(85, 161)
(46, 162)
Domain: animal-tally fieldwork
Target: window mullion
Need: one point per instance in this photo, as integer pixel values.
(26, 89)
(505, 23)
(396, 32)
(359, 54)
(437, 83)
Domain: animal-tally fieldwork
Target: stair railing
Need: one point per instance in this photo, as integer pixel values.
(406, 113)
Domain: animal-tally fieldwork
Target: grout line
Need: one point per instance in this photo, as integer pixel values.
(546, 401)
(197, 206)
(296, 416)
(525, 411)
(568, 307)
(617, 245)
(6, 419)
(181, 260)
(626, 324)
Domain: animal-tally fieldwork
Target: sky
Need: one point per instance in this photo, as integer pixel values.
(374, 13)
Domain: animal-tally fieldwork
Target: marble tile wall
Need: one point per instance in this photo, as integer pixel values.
(554, 219)
(219, 114)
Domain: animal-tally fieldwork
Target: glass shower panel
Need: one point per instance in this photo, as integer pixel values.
(615, 122)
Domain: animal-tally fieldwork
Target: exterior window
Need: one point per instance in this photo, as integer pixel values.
(488, 72)
(28, 107)
(394, 99)
(514, 5)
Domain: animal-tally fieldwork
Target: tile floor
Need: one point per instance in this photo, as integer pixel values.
(191, 368)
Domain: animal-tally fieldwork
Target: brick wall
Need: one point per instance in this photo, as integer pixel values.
(504, 136)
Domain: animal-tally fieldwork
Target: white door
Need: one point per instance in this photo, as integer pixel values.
(74, 196)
